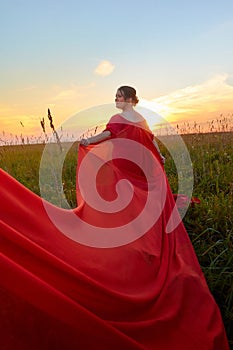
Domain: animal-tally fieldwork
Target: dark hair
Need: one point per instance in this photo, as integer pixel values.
(129, 92)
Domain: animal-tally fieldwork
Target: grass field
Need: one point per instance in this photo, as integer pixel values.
(209, 224)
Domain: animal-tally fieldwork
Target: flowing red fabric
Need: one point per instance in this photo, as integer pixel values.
(146, 292)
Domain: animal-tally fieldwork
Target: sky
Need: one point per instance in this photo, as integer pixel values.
(71, 55)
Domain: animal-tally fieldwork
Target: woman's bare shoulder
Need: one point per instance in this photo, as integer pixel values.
(114, 118)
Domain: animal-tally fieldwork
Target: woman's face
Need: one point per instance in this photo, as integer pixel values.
(120, 100)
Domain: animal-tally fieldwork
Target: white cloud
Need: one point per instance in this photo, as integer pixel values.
(104, 68)
(212, 96)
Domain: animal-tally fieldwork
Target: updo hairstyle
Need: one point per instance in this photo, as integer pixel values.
(129, 92)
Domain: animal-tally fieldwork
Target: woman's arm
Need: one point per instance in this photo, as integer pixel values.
(97, 138)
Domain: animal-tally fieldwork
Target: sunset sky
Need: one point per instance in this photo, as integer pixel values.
(70, 55)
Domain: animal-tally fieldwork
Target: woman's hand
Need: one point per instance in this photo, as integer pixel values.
(162, 159)
(96, 139)
(85, 142)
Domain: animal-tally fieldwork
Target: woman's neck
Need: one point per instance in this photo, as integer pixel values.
(128, 108)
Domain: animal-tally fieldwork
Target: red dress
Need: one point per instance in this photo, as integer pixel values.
(97, 277)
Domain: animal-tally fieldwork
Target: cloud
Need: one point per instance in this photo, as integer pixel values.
(28, 88)
(104, 68)
(209, 99)
(72, 92)
(65, 95)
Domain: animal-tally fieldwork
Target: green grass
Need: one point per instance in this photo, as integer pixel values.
(209, 224)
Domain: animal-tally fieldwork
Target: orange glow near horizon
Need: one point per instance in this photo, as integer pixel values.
(199, 103)
(30, 126)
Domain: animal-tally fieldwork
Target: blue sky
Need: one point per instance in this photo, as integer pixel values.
(50, 51)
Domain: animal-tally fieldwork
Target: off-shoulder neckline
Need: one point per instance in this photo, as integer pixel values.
(131, 121)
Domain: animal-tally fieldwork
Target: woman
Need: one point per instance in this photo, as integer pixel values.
(125, 100)
(105, 275)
